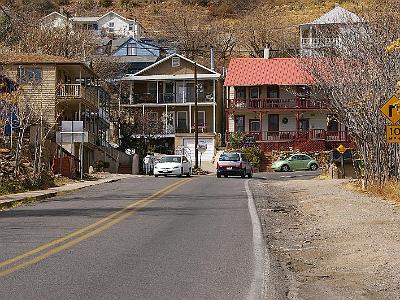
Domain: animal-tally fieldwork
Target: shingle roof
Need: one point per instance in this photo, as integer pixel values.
(13, 58)
(338, 15)
(262, 71)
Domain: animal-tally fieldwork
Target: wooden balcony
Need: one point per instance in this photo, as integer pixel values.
(287, 136)
(70, 92)
(275, 104)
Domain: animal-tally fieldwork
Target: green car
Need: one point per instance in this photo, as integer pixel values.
(294, 162)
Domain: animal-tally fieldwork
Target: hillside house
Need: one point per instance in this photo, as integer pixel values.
(109, 24)
(63, 89)
(137, 54)
(269, 101)
(165, 92)
(326, 32)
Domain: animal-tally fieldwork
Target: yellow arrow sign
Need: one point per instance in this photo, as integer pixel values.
(342, 149)
(391, 109)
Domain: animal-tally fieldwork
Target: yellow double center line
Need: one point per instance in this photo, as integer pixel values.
(24, 260)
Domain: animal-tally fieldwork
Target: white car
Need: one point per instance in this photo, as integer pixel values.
(177, 165)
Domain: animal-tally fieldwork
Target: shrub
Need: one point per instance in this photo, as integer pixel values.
(129, 3)
(105, 3)
(254, 155)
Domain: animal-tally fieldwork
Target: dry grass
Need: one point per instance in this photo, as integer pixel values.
(390, 191)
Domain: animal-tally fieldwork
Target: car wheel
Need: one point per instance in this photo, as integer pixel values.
(250, 175)
(218, 175)
(189, 173)
(226, 176)
(155, 175)
(243, 175)
(313, 167)
(285, 168)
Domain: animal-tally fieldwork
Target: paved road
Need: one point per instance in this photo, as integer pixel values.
(141, 238)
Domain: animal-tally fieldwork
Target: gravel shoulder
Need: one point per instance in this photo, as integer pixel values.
(327, 242)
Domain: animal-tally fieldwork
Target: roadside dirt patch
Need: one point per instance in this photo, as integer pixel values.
(329, 242)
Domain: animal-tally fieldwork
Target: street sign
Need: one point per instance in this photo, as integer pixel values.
(342, 149)
(202, 146)
(393, 134)
(391, 109)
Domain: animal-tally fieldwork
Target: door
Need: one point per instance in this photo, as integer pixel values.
(239, 124)
(182, 122)
(169, 96)
(273, 127)
(296, 162)
(304, 128)
(180, 92)
(207, 155)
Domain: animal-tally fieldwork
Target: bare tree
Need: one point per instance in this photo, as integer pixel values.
(358, 78)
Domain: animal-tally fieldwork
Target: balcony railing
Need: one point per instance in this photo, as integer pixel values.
(77, 91)
(283, 136)
(166, 98)
(275, 103)
(319, 42)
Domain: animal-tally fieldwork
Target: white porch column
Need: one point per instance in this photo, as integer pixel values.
(130, 92)
(214, 107)
(166, 119)
(157, 93)
(190, 118)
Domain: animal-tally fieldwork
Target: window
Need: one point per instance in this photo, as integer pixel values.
(201, 118)
(254, 93)
(29, 74)
(176, 62)
(273, 123)
(254, 125)
(131, 49)
(240, 92)
(239, 124)
(333, 125)
(273, 91)
(181, 121)
(130, 27)
(111, 24)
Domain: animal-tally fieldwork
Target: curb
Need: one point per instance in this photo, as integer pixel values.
(46, 194)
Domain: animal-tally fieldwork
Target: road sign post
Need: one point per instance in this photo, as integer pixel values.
(342, 149)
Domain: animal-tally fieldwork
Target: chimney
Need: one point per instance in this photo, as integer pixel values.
(267, 51)
(212, 58)
(61, 10)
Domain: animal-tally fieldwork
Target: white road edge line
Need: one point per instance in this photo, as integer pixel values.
(257, 285)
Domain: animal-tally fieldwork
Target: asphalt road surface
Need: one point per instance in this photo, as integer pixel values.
(140, 238)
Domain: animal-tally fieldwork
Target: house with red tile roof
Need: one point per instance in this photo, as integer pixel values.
(270, 100)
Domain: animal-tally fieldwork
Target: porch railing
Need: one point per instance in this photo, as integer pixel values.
(77, 91)
(166, 98)
(282, 136)
(319, 42)
(275, 103)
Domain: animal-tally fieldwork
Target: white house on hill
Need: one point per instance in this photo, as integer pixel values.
(109, 23)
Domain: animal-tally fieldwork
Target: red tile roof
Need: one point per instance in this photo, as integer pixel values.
(262, 71)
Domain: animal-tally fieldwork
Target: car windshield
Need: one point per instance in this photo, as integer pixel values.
(168, 159)
(229, 157)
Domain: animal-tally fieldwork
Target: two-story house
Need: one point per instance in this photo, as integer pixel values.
(269, 100)
(165, 92)
(327, 31)
(110, 23)
(62, 89)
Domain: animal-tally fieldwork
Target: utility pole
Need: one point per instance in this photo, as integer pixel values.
(196, 125)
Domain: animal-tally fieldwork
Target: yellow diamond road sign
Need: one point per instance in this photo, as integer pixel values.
(391, 109)
(342, 149)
